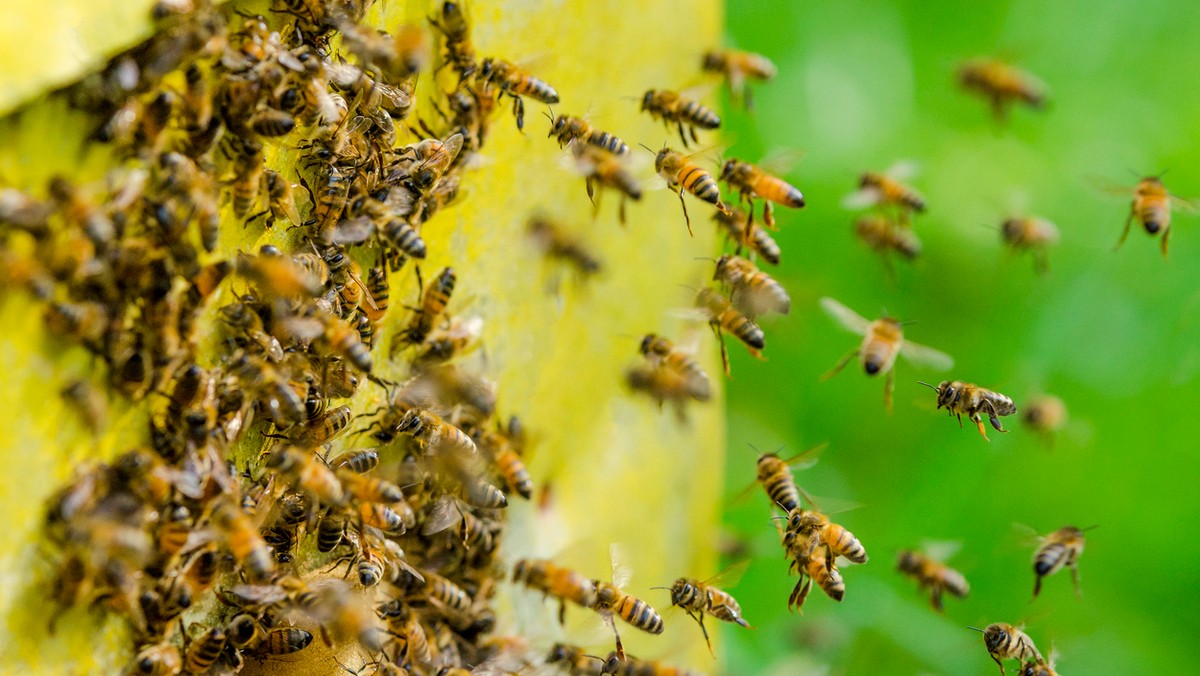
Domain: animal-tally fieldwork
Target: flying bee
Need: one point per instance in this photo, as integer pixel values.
(701, 598)
(960, 398)
(1030, 234)
(558, 244)
(662, 353)
(433, 304)
(888, 189)
(569, 128)
(775, 475)
(681, 174)
(1004, 641)
(736, 224)
(932, 575)
(434, 433)
(1058, 550)
(606, 170)
(1040, 667)
(685, 113)
(1045, 414)
(516, 83)
(243, 540)
(754, 292)
(610, 601)
(738, 66)
(1151, 206)
(506, 445)
(751, 182)
(819, 569)
(883, 339)
(345, 615)
(722, 316)
(460, 53)
(1001, 84)
(662, 385)
(886, 237)
(808, 530)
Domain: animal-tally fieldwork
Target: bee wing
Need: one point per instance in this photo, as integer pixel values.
(356, 230)
(903, 170)
(781, 161)
(849, 319)
(618, 552)
(304, 328)
(755, 301)
(1184, 204)
(861, 199)
(829, 506)
(926, 356)
(940, 550)
(1108, 187)
(443, 515)
(1026, 535)
(730, 576)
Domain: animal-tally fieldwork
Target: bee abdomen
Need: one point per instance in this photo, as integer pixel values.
(783, 492)
(1050, 558)
(700, 183)
(746, 331)
(608, 142)
(537, 89)
(700, 115)
(781, 192)
(639, 614)
(405, 238)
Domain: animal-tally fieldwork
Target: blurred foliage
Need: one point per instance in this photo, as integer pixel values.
(1116, 335)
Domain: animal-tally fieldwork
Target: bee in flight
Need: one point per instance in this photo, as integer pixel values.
(932, 575)
(703, 598)
(1033, 234)
(1006, 642)
(1002, 85)
(737, 67)
(722, 316)
(1040, 667)
(1045, 414)
(516, 83)
(883, 339)
(569, 128)
(685, 112)
(736, 224)
(754, 292)
(751, 181)
(888, 189)
(611, 601)
(681, 173)
(600, 167)
(961, 398)
(1151, 206)
(884, 237)
(1058, 550)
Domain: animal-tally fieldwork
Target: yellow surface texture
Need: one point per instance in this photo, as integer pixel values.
(620, 470)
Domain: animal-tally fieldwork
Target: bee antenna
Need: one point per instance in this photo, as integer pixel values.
(1084, 530)
(652, 151)
(927, 384)
(660, 587)
(976, 629)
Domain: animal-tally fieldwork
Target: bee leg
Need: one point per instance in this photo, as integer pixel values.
(591, 190)
(519, 111)
(621, 210)
(768, 214)
(682, 135)
(620, 646)
(724, 352)
(888, 386)
(993, 419)
(1075, 580)
(686, 218)
(699, 617)
(695, 137)
(959, 418)
(840, 365)
(935, 598)
(997, 661)
(562, 613)
(982, 431)
(1125, 233)
(1166, 235)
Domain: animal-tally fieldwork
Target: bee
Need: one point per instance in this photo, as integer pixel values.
(960, 398)
(331, 530)
(516, 83)
(662, 385)
(819, 569)
(321, 430)
(775, 475)
(280, 199)
(329, 203)
(360, 461)
(1151, 206)
(433, 432)
(738, 66)
(345, 616)
(682, 174)
(723, 317)
(276, 274)
(1033, 234)
(662, 353)
(628, 665)
(751, 181)
(754, 292)
(1045, 414)
(262, 379)
(1007, 642)
(883, 339)
(159, 659)
(610, 601)
(382, 517)
(403, 622)
(506, 445)
(885, 237)
(887, 188)
(672, 107)
(309, 472)
(446, 592)
(88, 401)
(344, 341)
(459, 51)
(282, 641)
(203, 652)
(575, 660)
(555, 243)
(569, 128)
(808, 530)
(247, 182)
(1001, 84)
(701, 598)
(932, 575)
(1060, 549)
(403, 237)
(433, 304)
(458, 338)
(1039, 667)
(736, 224)
(600, 167)
(431, 158)
(563, 584)
(378, 290)
(244, 541)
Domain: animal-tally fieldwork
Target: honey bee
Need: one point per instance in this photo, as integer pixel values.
(600, 167)
(321, 430)
(1007, 642)
(458, 338)
(751, 181)
(628, 665)
(1032, 234)
(88, 401)
(1040, 667)
(885, 237)
(701, 598)
(932, 575)
(661, 384)
(887, 188)
(204, 651)
(808, 530)
(738, 66)
(276, 274)
(360, 461)
(1060, 549)
(960, 398)
(575, 660)
(431, 158)
(159, 659)
(1151, 206)
(1001, 84)
(775, 475)
(344, 341)
(309, 472)
(459, 51)
(329, 203)
(883, 339)
(378, 289)
(610, 601)
(1045, 414)
(737, 225)
(345, 615)
(662, 352)
(753, 292)
(819, 569)
(723, 317)
(562, 583)
(434, 433)
(244, 541)
(506, 445)
(433, 303)
(672, 107)
(282, 641)
(516, 83)
(280, 199)
(260, 378)
(555, 243)
(331, 530)
(403, 622)
(569, 128)
(682, 174)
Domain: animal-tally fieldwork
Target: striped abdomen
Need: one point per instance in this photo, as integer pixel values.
(447, 592)
(827, 577)
(527, 85)
(879, 352)
(723, 606)
(512, 468)
(404, 237)
(570, 585)
(638, 613)
(204, 651)
(742, 328)
(777, 480)
(843, 543)
(605, 140)
(778, 191)
(700, 183)
(698, 114)
(1153, 214)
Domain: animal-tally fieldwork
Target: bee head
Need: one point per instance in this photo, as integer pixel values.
(648, 100)
(727, 169)
(487, 68)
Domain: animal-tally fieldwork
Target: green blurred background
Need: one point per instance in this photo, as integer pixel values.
(1116, 335)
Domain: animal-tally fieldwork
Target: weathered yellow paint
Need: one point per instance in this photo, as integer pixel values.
(619, 469)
